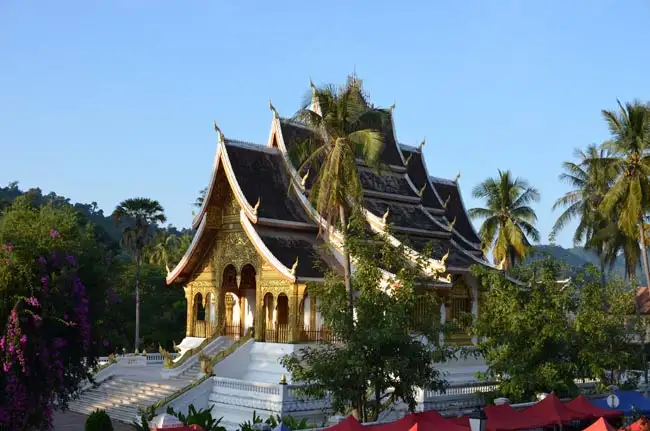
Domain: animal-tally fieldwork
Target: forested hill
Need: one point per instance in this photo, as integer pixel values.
(577, 257)
(91, 211)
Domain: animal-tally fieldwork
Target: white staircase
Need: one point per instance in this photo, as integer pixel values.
(121, 398)
(132, 388)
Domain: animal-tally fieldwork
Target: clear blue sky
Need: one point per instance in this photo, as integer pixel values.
(106, 100)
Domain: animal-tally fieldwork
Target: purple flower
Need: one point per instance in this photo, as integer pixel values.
(54, 233)
(9, 246)
(42, 260)
(106, 343)
(71, 260)
(23, 340)
(65, 316)
(6, 367)
(32, 301)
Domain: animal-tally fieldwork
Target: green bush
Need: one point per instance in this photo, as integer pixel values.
(99, 421)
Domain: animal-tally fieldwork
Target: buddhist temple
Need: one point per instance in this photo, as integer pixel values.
(259, 241)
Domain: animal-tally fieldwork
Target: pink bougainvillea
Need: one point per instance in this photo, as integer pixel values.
(46, 347)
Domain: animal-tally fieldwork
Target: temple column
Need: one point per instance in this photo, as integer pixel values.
(189, 318)
(294, 314)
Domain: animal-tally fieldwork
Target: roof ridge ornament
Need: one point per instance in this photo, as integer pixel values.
(408, 159)
(501, 264)
(457, 177)
(391, 108)
(446, 202)
(444, 258)
(451, 225)
(303, 180)
(257, 205)
(219, 132)
(384, 218)
(421, 192)
(275, 112)
(294, 267)
(424, 141)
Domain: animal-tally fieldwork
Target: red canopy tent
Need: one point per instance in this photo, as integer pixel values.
(600, 425)
(505, 418)
(347, 424)
(554, 411)
(640, 425)
(430, 420)
(584, 406)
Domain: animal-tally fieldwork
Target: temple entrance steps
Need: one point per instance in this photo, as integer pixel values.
(121, 397)
(190, 370)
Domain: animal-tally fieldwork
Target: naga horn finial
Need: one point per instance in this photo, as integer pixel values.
(424, 141)
(451, 225)
(257, 206)
(457, 176)
(303, 180)
(294, 267)
(218, 130)
(446, 202)
(384, 218)
(275, 112)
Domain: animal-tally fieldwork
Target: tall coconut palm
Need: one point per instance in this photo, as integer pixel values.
(629, 196)
(346, 129)
(162, 248)
(590, 180)
(139, 216)
(509, 220)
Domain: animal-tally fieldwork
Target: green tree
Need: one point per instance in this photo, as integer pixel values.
(161, 250)
(346, 127)
(385, 349)
(590, 181)
(139, 216)
(629, 196)
(509, 220)
(541, 336)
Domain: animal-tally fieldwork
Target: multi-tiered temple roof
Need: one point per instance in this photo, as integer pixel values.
(404, 200)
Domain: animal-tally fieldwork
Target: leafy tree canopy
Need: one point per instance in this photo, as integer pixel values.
(541, 335)
(389, 344)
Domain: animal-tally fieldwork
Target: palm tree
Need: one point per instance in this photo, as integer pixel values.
(200, 198)
(346, 129)
(629, 196)
(590, 180)
(140, 216)
(509, 220)
(162, 248)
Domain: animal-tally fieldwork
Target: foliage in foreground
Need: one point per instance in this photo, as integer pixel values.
(55, 299)
(384, 348)
(99, 421)
(544, 334)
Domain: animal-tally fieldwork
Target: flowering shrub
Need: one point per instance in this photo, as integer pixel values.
(54, 328)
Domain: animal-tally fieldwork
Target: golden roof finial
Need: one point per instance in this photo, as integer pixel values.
(451, 225)
(421, 192)
(384, 218)
(446, 202)
(257, 206)
(275, 112)
(311, 84)
(219, 132)
(294, 267)
(444, 258)
(283, 380)
(457, 177)
(304, 178)
(501, 264)
(447, 279)
(424, 141)
(392, 107)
